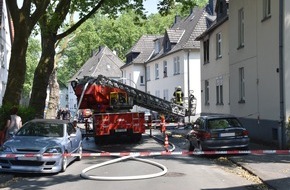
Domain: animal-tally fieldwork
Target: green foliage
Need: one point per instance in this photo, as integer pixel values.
(25, 113)
(32, 58)
(118, 34)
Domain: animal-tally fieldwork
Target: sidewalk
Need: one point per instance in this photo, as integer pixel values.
(272, 169)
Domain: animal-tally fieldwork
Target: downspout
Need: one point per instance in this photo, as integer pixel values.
(282, 140)
(188, 83)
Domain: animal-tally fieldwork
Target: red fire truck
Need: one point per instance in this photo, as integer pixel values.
(111, 102)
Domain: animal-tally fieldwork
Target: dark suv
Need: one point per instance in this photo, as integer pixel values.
(217, 132)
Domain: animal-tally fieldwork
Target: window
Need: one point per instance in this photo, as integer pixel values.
(218, 45)
(157, 46)
(266, 9)
(165, 94)
(164, 69)
(221, 5)
(241, 28)
(156, 71)
(206, 51)
(242, 85)
(148, 73)
(142, 80)
(2, 56)
(157, 93)
(219, 91)
(176, 66)
(167, 47)
(206, 90)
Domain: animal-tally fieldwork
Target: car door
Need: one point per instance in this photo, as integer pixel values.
(72, 138)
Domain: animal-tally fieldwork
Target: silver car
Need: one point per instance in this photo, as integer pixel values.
(217, 132)
(41, 146)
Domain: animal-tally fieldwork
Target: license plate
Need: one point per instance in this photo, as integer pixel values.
(30, 158)
(121, 130)
(227, 134)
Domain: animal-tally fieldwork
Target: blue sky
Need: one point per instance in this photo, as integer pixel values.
(151, 6)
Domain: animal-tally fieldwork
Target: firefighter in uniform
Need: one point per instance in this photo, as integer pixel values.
(178, 95)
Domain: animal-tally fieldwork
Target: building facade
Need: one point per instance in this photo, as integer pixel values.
(6, 38)
(256, 39)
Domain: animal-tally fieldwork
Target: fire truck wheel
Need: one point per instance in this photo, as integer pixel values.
(99, 140)
(136, 137)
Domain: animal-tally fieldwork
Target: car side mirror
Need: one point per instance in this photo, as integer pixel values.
(11, 134)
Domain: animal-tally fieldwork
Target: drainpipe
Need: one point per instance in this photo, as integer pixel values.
(282, 128)
(188, 83)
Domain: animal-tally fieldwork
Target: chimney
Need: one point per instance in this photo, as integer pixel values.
(177, 19)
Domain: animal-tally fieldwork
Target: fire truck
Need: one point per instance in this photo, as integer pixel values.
(111, 102)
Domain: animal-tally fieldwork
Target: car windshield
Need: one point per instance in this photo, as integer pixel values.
(41, 129)
(223, 123)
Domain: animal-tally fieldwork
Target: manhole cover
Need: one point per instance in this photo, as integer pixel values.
(174, 174)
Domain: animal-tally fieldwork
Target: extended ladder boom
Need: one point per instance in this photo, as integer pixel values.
(139, 97)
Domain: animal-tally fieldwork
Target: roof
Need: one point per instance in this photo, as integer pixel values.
(216, 21)
(174, 35)
(103, 62)
(56, 121)
(144, 47)
(218, 116)
(182, 34)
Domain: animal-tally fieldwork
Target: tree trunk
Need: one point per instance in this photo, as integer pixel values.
(53, 96)
(24, 20)
(17, 68)
(42, 75)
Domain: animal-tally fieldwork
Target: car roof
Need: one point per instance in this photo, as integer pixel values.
(56, 121)
(218, 116)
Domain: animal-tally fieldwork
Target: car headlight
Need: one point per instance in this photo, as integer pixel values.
(5, 149)
(53, 150)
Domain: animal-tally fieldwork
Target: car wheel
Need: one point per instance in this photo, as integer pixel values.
(64, 162)
(80, 151)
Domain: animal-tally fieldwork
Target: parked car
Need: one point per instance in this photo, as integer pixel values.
(217, 132)
(181, 130)
(41, 146)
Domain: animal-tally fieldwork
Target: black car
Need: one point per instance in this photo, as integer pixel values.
(218, 132)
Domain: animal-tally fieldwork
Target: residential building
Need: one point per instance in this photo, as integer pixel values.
(258, 67)
(6, 38)
(134, 69)
(104, 62)
(176, 59)
(215, 76)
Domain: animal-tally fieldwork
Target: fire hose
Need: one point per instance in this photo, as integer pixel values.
(121, 178)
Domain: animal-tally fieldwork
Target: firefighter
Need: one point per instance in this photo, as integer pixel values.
(178, 95)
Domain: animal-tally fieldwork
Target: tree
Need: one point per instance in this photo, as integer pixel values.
(24, 21)
(33, 55)
(118, 34)
(51, 14)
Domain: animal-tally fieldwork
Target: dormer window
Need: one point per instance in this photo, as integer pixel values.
(157, 46)
(167, 45)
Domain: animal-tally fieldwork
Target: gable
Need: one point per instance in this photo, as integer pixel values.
(103, 62)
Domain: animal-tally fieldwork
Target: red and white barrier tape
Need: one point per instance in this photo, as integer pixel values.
(146, 154)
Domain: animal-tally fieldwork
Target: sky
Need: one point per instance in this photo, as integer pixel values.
(151, 6)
